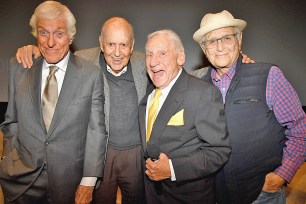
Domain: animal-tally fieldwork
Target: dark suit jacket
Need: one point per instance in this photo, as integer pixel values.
(75, 144)
(199, 147)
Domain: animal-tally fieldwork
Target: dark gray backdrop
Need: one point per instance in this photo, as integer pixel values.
(276, 30)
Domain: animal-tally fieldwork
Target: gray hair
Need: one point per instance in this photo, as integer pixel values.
(50, 10)
(172, 35)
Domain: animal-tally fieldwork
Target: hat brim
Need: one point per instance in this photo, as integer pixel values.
(198, 35)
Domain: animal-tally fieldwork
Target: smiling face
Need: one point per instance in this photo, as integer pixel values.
(53, 39)
(223, 55)
(163, 60)
(117, 43)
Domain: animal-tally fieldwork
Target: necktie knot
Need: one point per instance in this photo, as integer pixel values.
(53, 70)
(157, 94)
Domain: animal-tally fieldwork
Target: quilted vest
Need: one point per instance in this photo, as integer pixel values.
(257, 138)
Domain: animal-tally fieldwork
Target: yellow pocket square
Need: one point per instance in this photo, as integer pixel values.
(177, 119)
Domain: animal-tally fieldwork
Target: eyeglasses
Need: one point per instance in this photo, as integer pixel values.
(227, 40)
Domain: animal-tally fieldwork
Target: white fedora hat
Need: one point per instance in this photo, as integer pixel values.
(213, 21)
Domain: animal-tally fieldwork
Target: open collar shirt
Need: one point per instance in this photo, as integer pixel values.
(284, 102)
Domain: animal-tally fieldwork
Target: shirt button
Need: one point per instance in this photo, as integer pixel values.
(46, 143)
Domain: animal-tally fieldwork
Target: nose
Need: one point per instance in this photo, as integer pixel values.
(220, 46)
(117, 50)
(51, 41)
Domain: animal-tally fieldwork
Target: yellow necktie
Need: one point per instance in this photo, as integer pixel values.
(50, 95)
(153, 109)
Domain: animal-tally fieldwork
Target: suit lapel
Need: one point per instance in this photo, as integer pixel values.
(142, 116)
(69, 88)
(34, 81)
(96, 57)
(170, 107)
(140, 79)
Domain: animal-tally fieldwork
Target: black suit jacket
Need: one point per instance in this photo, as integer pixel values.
(199, 147)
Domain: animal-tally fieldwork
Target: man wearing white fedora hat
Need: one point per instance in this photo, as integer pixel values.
(266, 123)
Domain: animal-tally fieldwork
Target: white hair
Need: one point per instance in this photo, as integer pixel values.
(50, 10)
(172, 35)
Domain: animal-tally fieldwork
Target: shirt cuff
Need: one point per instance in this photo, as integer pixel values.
(287, 170)
(88, 181)
(173, 178)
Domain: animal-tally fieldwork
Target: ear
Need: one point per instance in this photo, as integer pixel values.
(132, 46)
(101, 42)
(71, 40)
(181, 58)
(240, 41)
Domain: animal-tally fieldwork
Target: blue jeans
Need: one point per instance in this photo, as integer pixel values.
(278, 197)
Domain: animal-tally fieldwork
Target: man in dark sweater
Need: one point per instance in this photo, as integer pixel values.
(125, 85)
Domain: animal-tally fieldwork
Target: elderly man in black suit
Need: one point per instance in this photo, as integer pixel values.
(183, 127)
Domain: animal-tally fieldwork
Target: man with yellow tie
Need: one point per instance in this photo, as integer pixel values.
(184, 134)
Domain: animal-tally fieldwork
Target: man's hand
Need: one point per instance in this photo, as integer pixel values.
(158, 170)
(25, 53)
(273, 182)
(83, 194)
(246, 59)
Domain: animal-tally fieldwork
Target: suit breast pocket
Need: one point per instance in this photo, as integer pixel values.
(81, 100)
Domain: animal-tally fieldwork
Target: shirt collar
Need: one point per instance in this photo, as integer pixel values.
(230, 74)
(115, 74)
(62, 65)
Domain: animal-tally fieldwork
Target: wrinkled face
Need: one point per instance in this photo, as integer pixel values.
(163, 61)
(117, 46)
(53, 39)
(223, 55)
